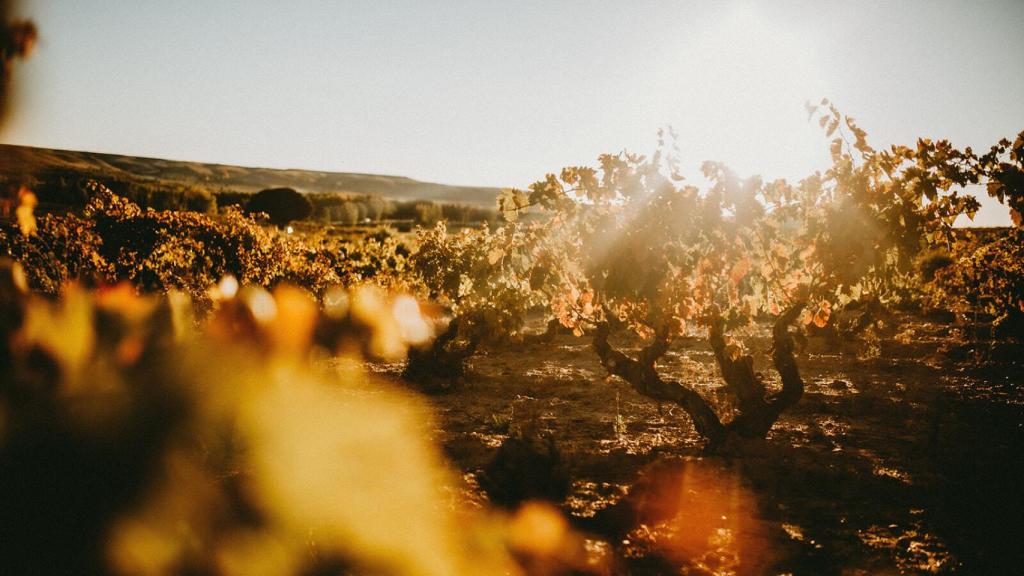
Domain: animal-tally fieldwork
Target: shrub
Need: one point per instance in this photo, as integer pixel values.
(282, 205)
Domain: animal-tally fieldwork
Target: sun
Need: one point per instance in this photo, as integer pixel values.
(738, 87)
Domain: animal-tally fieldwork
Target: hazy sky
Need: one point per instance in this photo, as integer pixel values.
(499, 93)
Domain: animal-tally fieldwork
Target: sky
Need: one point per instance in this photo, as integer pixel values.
(499, 93)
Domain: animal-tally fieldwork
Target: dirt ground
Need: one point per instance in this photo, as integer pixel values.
(905, 455)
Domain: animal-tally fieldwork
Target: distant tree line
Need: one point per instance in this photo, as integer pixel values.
(65, 187)
(352, 209)
(349, 209)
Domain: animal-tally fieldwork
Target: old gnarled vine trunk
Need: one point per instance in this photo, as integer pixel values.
(443, 360)
(758, 410)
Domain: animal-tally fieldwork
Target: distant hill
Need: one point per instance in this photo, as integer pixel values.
(21, 163)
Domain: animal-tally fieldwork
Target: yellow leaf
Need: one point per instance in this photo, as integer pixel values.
(64, 329)
(25, 211)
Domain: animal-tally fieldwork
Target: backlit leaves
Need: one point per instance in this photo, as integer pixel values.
(223, 448)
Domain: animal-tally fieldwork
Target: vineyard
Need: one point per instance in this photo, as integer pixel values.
(627, 374)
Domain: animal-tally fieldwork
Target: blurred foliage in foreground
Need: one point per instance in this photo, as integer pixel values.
(135, 441)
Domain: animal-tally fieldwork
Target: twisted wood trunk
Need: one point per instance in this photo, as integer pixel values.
(758, 410)
(443, 360)
(643, 376)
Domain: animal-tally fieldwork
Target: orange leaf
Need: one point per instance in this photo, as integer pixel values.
(821, 317)
(739, 270)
